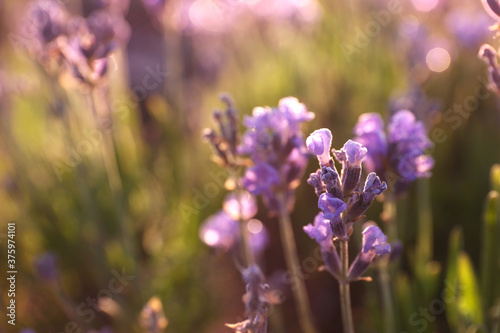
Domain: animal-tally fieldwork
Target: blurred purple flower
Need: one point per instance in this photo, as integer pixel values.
(91, 41)
(258, 299)
(220, 231)
(47, 20)
(402, 152)
(260, 178)
(469, 28)
(275, 145)
(488, 54)
(46, 266)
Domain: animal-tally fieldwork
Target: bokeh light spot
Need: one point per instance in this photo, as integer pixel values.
(438, 59)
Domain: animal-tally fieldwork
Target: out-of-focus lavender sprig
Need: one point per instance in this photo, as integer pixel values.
(258, 299)
(398, 156)
(90, 42)
(275, 144)
(47, 267)
(47, 21)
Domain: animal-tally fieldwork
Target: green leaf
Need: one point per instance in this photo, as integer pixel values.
(490, 249)
(455, 246)
(469, 300)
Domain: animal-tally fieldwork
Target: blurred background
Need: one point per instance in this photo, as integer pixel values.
(104, 170)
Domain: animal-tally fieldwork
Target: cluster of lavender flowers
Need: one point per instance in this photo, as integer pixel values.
(342, 201)
(275, 144)
(233, 229)
(398, 157)
(81, 44)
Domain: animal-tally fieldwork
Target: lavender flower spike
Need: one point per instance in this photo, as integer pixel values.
(374, 243)
(489, 56)
(319, 143)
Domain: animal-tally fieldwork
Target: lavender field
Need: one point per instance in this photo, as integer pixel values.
(249, 166)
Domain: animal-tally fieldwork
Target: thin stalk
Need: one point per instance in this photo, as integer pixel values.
(425, 232)
(385, 287)
(108, 151)
(292, 262)
(344, 287)
(383, 268)
(245, 243)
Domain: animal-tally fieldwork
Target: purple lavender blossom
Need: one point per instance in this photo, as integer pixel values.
(374, 244)
(240, 206)
(48, 20)
(220, 231)
(488, 54)
(469, 28)
(320, 231)
(260, 178)
(90, 42)
(492, 7)
(319, 143)
(401, 153)
(257, 299)
(351, 156)
(275, 144)
(330, 206)
(373, 187)
(46, 266)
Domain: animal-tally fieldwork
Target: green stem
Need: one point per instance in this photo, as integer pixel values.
(425, 232)
(245, 243)
(344, 287)
(385, 286)
(383, 269)
(292, 262)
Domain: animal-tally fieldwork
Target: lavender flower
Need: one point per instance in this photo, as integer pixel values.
(48, 20)
(257, 299)
(321, 232)
(351, 156)
(489, 55)
(374, 244)
(400, 153)
(220, 231)
(90, 42)
(341, 206)
(319, 143)
(46, 266)
(259, 179)
(274, 143)
(373, 187)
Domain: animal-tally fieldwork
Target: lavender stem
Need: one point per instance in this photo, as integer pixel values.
(344, 287)
(292, 262)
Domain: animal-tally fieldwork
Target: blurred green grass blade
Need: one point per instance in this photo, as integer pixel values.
(495, 177)
(455, 246)
(489, 251)
(469, 301)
